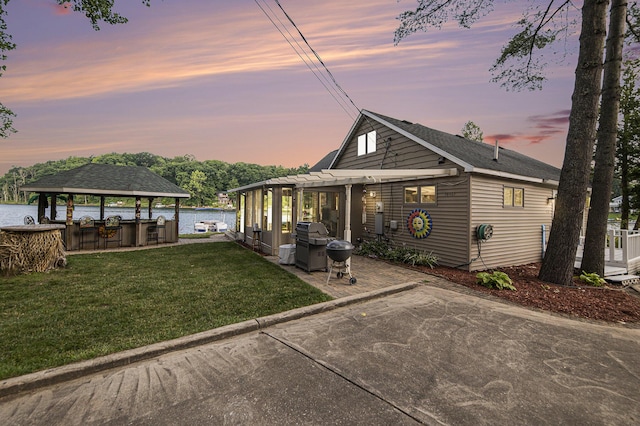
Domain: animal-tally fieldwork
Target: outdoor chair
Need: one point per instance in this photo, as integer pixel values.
(112, 231)
(88, 232)
(157, 232)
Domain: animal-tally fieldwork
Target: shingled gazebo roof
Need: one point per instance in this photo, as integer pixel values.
(107, 180)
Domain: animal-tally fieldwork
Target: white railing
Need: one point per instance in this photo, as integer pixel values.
(622, 247)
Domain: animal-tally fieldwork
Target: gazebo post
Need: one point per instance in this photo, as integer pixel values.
(102, 207)
(42, 205)
(69, 223)
(177, 217)
(150, 208)
(138, 224)
(54, 210)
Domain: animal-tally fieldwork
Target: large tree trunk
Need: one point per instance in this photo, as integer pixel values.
(558, 263)
(605, 159)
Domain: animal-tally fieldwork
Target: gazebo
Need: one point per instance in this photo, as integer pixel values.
(106, 180)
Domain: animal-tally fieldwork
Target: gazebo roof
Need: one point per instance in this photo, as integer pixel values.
(107, 180)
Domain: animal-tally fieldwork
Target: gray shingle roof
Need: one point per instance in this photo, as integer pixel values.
(107, 179)
(477, 154)
(325, 162)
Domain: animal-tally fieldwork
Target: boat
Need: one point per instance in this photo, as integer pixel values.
(210, 226)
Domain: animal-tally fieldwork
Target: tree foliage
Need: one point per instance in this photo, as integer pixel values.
(520, 64)
(97, 11)
(203, 179)
(628, 151)
(472, 131)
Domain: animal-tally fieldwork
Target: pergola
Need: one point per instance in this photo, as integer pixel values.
(104, 180)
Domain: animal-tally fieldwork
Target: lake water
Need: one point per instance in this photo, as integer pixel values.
(11, 214)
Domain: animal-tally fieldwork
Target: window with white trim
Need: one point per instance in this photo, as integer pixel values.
(367, 143)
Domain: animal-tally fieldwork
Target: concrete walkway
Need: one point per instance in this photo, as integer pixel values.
(409, 353)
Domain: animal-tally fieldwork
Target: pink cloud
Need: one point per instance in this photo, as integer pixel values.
(62, 9)
(502, 138)
(549, 126)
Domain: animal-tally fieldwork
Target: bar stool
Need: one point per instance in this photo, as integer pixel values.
(112, 231)
(87, 226)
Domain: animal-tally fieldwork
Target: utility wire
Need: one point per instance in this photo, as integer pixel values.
(319, 74)
(340, 91)
(316, 54)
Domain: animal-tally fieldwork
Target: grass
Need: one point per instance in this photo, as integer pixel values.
(107, 302)
(198, 236)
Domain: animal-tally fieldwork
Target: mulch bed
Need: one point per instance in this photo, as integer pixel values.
(612, 303)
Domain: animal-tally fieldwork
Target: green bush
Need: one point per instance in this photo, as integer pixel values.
(498, 280)
(401, 254)
(592, 279)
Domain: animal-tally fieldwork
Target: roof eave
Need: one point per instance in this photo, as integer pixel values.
(104, 192)
(506, 175)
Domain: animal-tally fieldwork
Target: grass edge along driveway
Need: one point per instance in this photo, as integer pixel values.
(104, 303)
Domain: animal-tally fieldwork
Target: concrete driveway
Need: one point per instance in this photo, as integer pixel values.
(425, 355)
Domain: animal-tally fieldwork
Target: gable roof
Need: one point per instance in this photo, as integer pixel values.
(472, 156)
(325, 162)
(107, 179)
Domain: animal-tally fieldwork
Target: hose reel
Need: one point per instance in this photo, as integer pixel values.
(484, 231)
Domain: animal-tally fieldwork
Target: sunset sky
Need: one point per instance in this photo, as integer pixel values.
(216, 80)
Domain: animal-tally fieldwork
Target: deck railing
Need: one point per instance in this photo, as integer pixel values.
(622, 247)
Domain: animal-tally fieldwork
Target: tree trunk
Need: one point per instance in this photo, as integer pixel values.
(558, 263)
(605, 159)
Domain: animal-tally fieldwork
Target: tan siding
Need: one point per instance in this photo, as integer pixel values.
(448, 239)
(517, 232)
(402, 153)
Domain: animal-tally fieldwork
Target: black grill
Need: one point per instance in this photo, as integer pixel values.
(311, 246)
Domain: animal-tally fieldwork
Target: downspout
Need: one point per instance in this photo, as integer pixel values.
(347, 213)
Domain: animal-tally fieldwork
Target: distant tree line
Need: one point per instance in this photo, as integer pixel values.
(203, 179)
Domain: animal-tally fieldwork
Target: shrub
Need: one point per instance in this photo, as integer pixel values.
(592, 279)
(402, 254)
(498, 280)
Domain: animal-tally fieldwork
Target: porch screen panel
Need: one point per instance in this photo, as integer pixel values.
(241, 216)
(267, 210)
(248, 221)
(287, 210)
(256, 214)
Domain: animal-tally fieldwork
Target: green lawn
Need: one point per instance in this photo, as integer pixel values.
(107, 302)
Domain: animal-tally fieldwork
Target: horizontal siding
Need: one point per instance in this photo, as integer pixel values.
(448, 239)
(517, 232)
(401, 153)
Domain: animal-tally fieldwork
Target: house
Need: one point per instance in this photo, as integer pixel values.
(474, 205)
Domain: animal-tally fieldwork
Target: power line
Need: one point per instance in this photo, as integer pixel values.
(319, 75)
(335, 88)
(317, 55)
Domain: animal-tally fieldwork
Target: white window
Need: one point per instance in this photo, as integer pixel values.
(367, 143)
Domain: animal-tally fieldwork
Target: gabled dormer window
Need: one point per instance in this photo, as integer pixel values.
(367, 143)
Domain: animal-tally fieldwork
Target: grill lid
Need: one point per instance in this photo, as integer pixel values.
(311, 229)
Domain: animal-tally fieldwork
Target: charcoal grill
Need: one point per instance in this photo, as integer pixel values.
(311, 246)
(339, 251)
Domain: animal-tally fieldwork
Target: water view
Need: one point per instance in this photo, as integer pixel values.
(11, 214)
